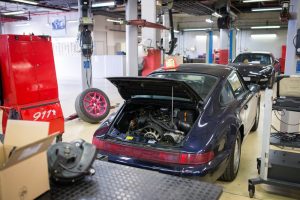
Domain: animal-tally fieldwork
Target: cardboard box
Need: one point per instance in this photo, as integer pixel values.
(23, 160)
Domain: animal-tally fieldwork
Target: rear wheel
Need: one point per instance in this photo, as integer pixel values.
(234, 161)
(92, 105)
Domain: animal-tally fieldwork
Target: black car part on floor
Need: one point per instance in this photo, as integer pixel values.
(70, 162)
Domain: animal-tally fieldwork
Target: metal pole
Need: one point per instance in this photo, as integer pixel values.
(86, 43)
(149, 14)
(232, 44)
(209, 47)
(131, 40)
(224, 46)
(267, 110)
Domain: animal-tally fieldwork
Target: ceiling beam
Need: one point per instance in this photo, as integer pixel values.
(41, 5)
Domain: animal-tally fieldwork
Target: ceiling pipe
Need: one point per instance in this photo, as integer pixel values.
(41, 6)
(4, 18)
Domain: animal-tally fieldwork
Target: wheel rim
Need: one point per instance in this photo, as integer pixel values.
(95, 104)
(237, 155)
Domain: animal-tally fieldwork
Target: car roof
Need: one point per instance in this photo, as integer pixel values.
(220, 71)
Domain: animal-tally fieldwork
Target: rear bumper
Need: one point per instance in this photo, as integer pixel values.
(209, 171)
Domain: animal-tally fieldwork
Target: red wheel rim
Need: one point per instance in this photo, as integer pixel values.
(95, 104)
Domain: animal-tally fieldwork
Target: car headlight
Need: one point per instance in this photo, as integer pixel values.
(264, 79)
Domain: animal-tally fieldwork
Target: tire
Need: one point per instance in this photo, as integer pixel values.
(271, 81)
(255, 125)
(251, 190)
(231, 170)
(96, 100)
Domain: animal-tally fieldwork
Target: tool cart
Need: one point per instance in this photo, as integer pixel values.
(280, 166)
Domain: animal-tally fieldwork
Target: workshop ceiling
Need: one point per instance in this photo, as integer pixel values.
(190, 7)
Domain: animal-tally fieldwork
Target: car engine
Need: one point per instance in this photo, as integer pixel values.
(160, 125)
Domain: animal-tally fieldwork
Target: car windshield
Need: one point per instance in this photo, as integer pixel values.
(202, 84)
(253, 58)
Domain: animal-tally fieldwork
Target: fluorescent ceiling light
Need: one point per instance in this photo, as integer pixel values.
(264, 27)
(26, 24)
(104, 4)
(196, 29)
(27, 2)
(215, 14)
(263, 36)
(72, 21)
(252, 1)
(176, 31)
(14, 12)
(114, 20)
(201, 37)
(209, 21)
(265, 9)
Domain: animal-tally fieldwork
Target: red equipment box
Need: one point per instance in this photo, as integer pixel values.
(29, 88)
(151, 61)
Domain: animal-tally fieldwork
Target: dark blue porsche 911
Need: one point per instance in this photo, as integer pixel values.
(188, 121)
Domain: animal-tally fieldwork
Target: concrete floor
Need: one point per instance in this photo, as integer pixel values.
(238, 189)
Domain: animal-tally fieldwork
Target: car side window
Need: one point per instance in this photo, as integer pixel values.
(236, 85)
(226, 96)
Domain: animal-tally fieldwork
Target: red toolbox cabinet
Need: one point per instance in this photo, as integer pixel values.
(28, 78)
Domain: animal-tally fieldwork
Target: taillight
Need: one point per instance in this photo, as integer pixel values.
(154, 155)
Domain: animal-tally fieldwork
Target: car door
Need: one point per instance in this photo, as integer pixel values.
(245, 99)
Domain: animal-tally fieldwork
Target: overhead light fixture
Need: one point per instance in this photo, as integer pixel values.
(14, 12)
(114, 20)
(265, 9)
(264, 27)
(237, 29)
(176, 31)
(72, 21)
(26, 2)
(26, 24)
(209, 21)
(263, 36)
(104, 4)
(201, 37)
(215, 14)
(196, 29)
(253, 1)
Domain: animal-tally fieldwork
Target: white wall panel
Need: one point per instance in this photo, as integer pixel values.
(66, 48)
(193, 44)
(246, 43)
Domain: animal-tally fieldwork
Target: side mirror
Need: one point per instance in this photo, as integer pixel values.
(276, 61)
(254, 88)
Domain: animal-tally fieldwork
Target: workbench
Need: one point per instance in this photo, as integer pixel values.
(116, 181)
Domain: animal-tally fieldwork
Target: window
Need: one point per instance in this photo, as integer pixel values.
(236, 84)
(226, 94)
(202, 84)
(254, 58)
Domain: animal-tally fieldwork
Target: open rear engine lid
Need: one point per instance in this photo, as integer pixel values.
(130, 87)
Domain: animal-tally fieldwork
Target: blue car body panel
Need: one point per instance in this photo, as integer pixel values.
(215, 129)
